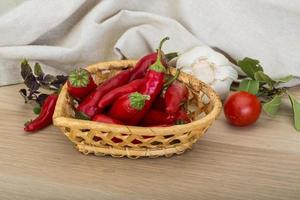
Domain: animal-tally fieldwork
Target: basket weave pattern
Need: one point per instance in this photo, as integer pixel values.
(132, 141)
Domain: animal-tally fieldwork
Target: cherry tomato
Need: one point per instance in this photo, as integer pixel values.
(242, 108)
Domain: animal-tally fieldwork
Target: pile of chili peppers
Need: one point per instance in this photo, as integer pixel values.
(142, 96)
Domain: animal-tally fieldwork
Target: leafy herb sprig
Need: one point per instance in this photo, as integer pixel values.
(267, 89)
(35, 79)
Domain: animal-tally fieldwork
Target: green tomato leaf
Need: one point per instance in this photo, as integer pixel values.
(271, 107)
(264, 78)
(296, 111)
(251, 86)
(284, 79)
(250, 66)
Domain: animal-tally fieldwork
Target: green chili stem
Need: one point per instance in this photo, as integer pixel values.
(167, 84)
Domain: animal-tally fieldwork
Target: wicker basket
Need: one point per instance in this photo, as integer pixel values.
(96, 137)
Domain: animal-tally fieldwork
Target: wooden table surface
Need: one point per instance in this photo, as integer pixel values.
(257, 162)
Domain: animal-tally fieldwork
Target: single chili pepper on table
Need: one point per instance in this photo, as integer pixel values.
(88, 108)
(156, 117)
(105, 119)
(114, 94)
(131, 108)
(80, 83)
(176, 94)
(45, 117)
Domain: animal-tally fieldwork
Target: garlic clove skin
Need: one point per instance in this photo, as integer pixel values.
(218, 59)
(225, 72)
(222, 87)
(187, 70)
(209, 66)
(188, 58)
(203, 70)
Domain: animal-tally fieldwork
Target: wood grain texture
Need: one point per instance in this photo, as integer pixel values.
(257, 162)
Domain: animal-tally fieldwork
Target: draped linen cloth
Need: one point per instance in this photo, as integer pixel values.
(62, 35)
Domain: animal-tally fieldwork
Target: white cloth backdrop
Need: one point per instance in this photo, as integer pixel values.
(65, 34)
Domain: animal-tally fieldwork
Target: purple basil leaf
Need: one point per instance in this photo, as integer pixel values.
(41, 98)
(30, 95)
(23, 93)
(25, 69)
(31, 83)
(36, 92)
(61, 79)
(55, 85)
(48, 79)
(40, 78)
(38, 70)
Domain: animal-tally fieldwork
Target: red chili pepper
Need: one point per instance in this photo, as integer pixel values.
(131, 108)
(159, 125)
(45, 117)
(159, 104)
(176, 94)
(128, 107)
(111, 96)
(109, 120)
(156, 117)
(80, 83)
(141, 67)
(105, 119)
(182, 117)
(88, 108)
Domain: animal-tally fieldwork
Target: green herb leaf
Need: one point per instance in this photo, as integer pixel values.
(296, 111)
(272, 106)
(170, 56)
(38, 70)
(264, 78)
(250, 66)
(284, 79)
(251, 86)
(37, 109)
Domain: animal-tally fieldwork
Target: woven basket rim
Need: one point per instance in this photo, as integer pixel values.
(62, 121)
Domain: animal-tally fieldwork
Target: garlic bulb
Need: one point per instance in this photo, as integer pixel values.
(210, 67)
